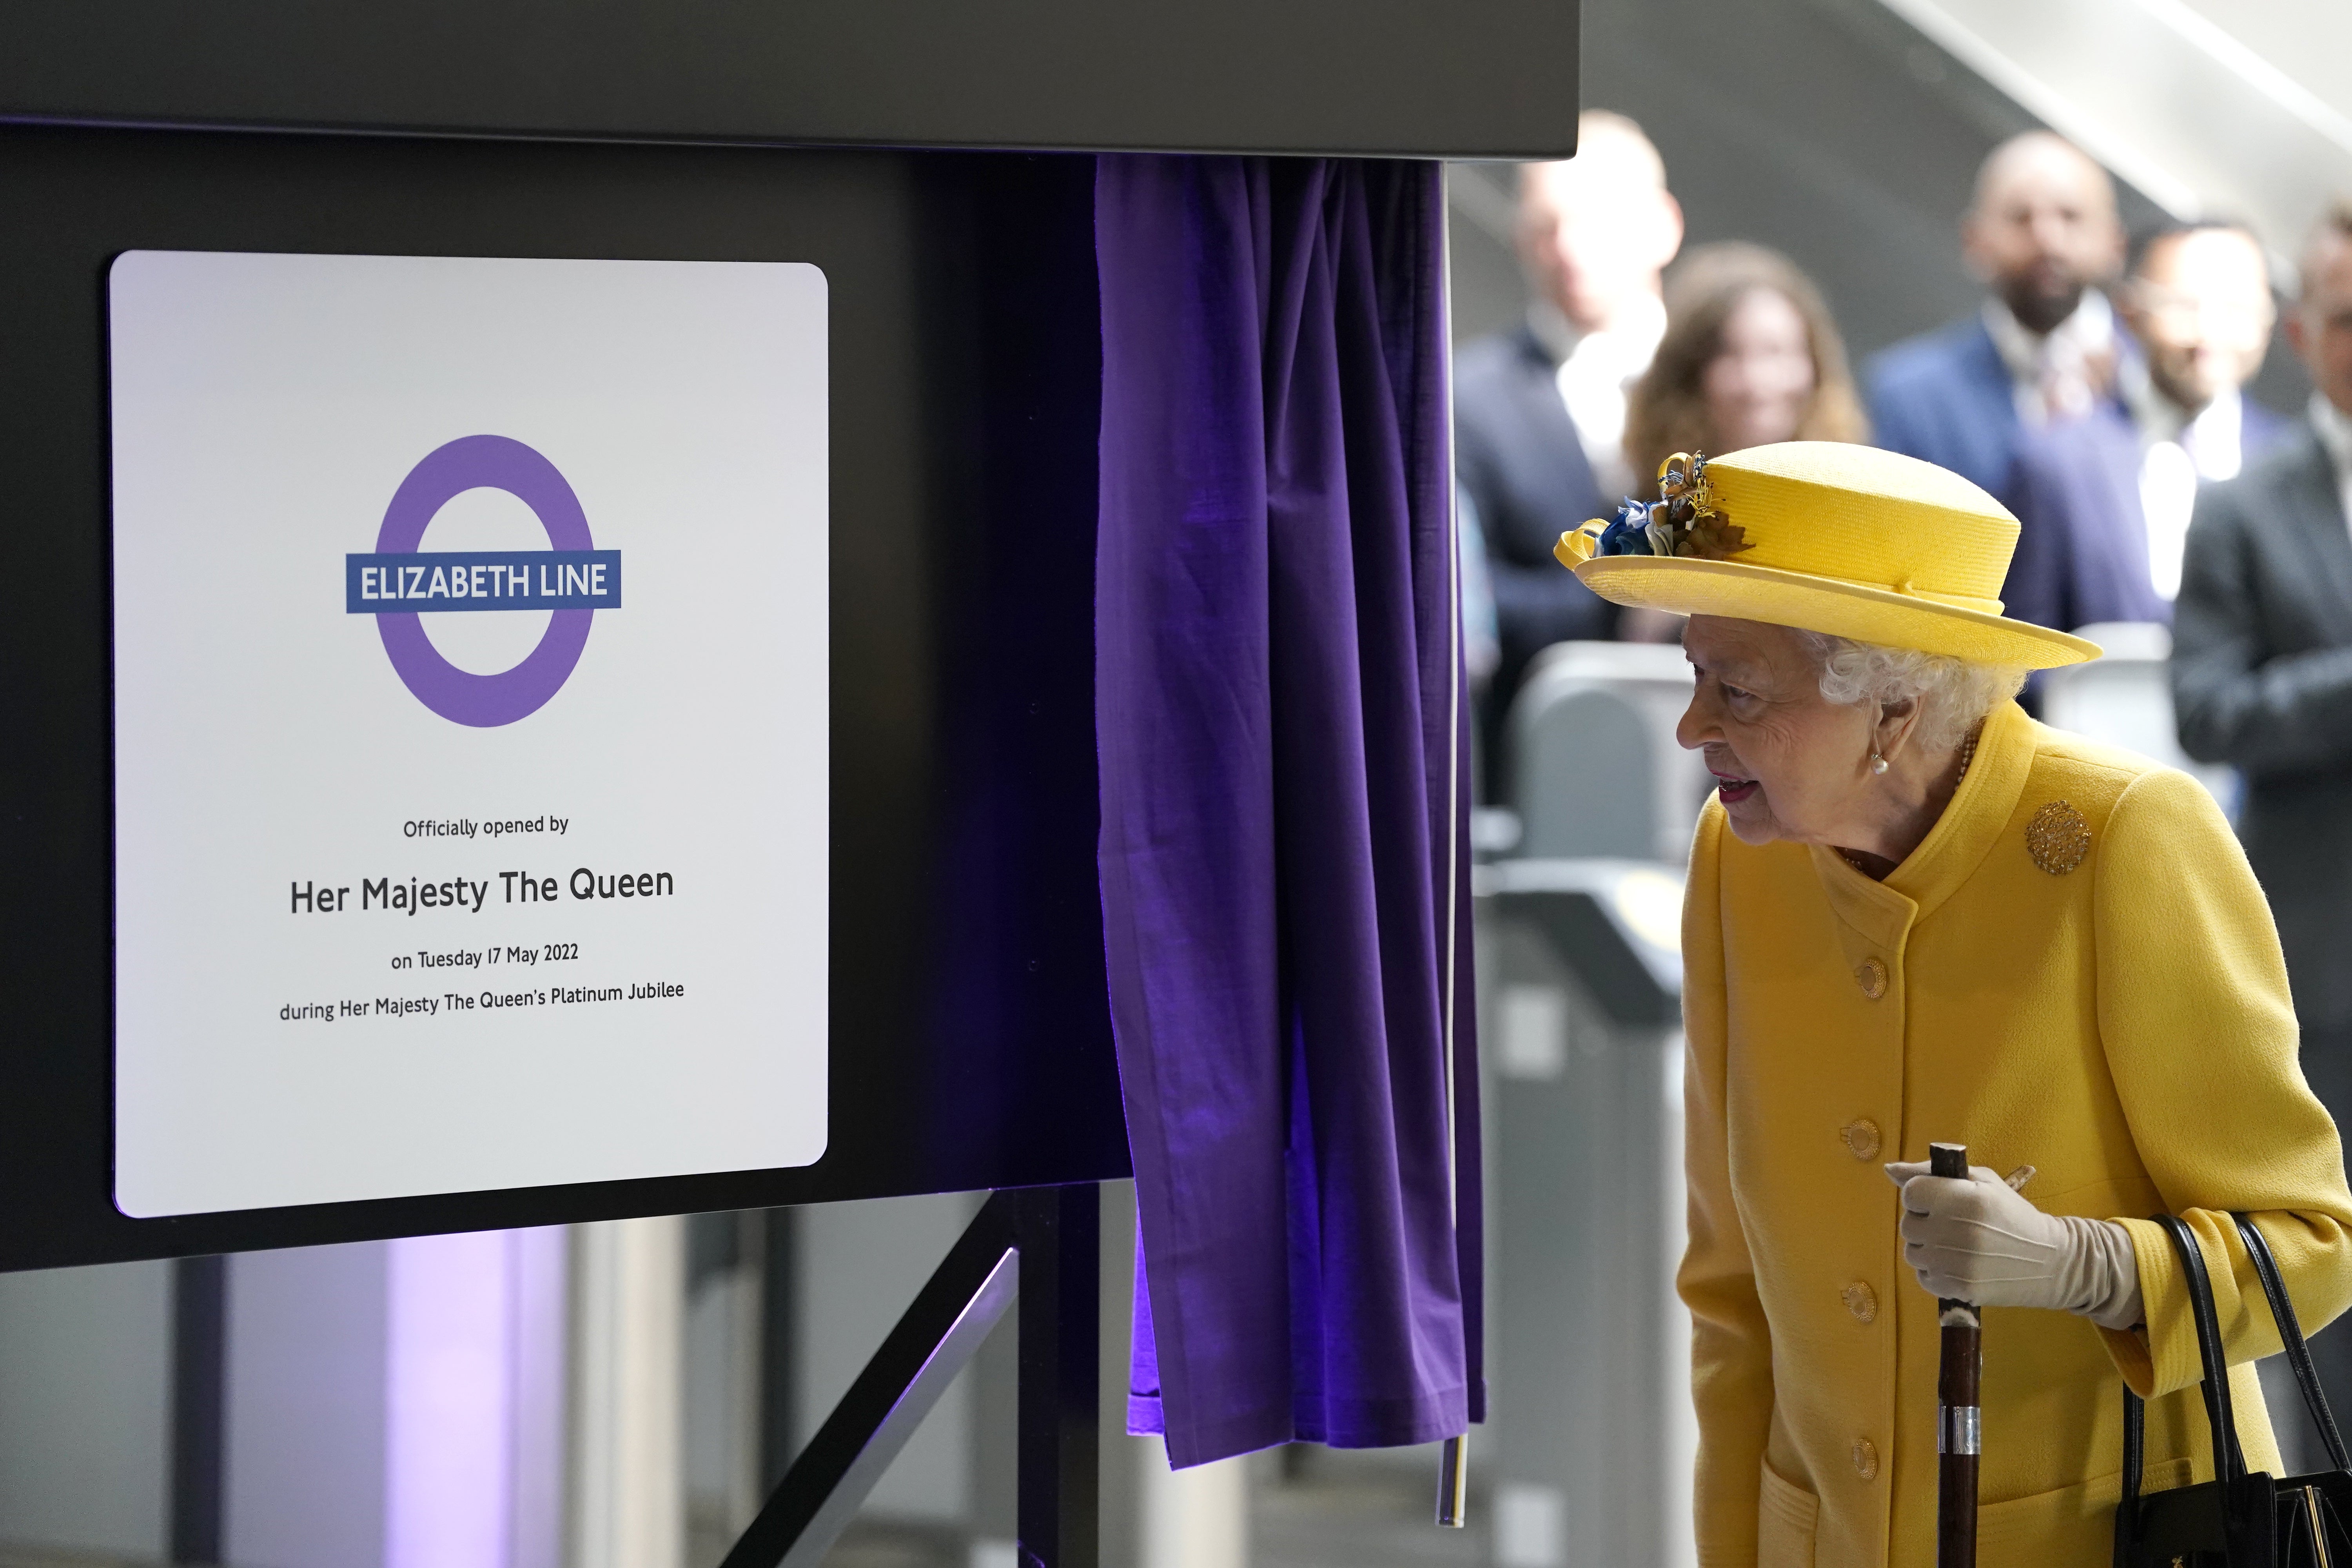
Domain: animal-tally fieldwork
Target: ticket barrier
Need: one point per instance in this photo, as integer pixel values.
(1592, 765)
(1580, 982)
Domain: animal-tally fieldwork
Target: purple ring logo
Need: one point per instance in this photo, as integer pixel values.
(476, 462)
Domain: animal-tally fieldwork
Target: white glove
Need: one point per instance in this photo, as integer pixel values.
(1978, 1241)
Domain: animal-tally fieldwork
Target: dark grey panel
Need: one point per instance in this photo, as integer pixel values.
(1489, 78)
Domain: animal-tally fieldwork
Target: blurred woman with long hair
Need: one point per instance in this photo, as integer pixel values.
(1751, 357)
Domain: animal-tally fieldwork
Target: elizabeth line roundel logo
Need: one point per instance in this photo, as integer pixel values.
(397, 581)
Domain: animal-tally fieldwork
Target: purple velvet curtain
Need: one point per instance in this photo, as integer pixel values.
(1282, 732)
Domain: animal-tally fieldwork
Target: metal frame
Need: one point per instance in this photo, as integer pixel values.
(1042, 1244)
(1347, 77)
(199, 1392)
(971, 1041)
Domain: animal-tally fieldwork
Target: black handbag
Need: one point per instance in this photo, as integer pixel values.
(2237, 1519)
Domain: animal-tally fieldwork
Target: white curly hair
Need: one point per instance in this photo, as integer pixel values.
(1953, 694)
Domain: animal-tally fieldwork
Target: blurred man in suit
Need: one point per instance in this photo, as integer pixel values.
(2262, 678)
(2105, 499)
(2042, 235)
(1540, 413)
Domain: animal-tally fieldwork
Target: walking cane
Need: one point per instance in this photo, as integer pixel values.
(1958, 1417)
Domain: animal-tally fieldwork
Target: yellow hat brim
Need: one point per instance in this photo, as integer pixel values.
(1827, 604)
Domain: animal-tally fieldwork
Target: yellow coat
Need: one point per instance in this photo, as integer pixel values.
(2124, 1028)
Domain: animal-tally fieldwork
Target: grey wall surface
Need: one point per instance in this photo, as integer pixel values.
(1830, 130)
(860, 1265)
(86, 1408)
(1827, 128)
(305, 1418)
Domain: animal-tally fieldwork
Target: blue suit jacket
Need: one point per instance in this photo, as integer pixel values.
(2082, 544)
(1946, 398)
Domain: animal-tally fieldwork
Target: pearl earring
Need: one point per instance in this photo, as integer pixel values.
(1877, 763)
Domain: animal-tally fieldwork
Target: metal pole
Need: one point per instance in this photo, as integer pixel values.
(199, 1401)
(1958, 1415)
(1058, 1231)
(1454, 1482)
(935, 1339)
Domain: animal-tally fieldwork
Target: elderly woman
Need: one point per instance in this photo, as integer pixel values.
(1915, 914)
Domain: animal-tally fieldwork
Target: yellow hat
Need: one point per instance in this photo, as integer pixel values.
(1849, 541)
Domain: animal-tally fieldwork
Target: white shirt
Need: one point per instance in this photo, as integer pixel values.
(2057, 373)
(1596, 377)
(2213, 439)
(2177, 451)
(2334, 427)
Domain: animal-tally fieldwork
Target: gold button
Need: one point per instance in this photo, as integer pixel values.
(1861, 1300)
(1865, 1459)
(1860, 1136)
(1872, 977)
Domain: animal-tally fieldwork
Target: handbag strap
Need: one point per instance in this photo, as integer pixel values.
(2299, 1354)
(2229, 1460)
(2128, 1506)
(2229, 1463)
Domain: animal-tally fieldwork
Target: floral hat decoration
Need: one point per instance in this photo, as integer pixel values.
(1684, 521)
(1848, 540)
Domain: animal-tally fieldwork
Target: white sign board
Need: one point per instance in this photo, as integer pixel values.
(471, 681)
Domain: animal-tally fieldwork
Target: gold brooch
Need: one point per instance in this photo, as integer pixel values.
(2058, 837)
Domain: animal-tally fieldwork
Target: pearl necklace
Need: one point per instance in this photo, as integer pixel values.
(1968, 755)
